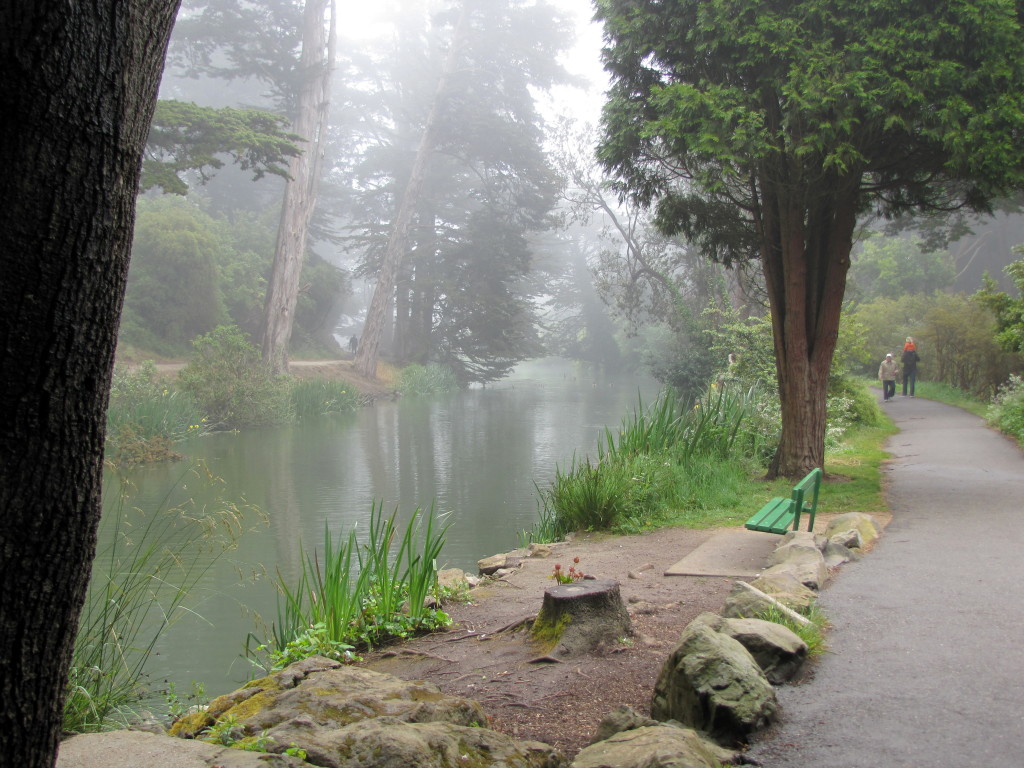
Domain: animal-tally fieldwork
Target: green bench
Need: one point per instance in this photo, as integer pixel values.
(781, 515)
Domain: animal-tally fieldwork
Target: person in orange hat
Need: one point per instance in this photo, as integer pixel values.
(888, 371)
(909, 360)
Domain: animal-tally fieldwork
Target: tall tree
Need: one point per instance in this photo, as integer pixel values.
(288, 46)
(78, 92)
(477, 156)
(766, 129)
(300, 193)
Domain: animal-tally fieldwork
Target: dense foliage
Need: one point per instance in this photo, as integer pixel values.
(766, 130)
(232, 384)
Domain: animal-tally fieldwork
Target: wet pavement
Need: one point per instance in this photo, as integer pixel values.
(926, 656)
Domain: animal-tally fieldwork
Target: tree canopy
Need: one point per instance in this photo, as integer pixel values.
(765, 130)
(188, 138)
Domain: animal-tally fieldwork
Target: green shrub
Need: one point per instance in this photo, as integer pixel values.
(358, 595)
(426, 380)
(1007, 410)
(314, 398)
(229, 380)
(147, 416)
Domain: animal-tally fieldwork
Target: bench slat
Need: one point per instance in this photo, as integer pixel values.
(773, 517)
(780, 514)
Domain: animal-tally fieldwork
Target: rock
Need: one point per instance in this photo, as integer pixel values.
(864, 523)
(140, 749)
(836, 554)
(712, 683)
(850, 538)
(489, 565)
(539, 550)
(622, 718)
(453, 578)
(329, 694)
(348, 717)
(390, 743)
(787, 589)
(777, 649)
(657, 746)
(804, 561)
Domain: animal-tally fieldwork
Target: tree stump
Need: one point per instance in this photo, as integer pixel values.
(578, 617)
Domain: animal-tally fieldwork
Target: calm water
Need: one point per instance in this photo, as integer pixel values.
(475, 455)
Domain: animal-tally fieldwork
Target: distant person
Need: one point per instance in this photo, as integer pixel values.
(887, 372)
(353, 344)
(909, 360)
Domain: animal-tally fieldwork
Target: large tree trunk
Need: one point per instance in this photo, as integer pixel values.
(76, 98)
(383, 292)
(300, 193)
(805, 257)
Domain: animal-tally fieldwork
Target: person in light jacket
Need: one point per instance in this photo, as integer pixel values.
(888, 372)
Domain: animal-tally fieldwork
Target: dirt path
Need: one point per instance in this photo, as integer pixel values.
(562, 703)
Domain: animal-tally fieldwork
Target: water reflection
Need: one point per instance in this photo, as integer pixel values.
(475, 455)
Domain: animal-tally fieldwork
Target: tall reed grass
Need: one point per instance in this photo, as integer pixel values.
(358, 595)
(319, 397)
(141, 583)
(426, 380)
(663, 456)
(147, 416)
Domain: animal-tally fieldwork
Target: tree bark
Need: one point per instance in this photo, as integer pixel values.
(805, 257)
(300, 193)
(384, 290)
(76, 99)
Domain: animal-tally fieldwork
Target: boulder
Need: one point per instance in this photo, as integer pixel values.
(452, 578)
(140, 749)
(539, 550)
(657, 746)
(622, 718)
(777, 649)
(787, 589)
(332, 694)
(386, 742)
(837, 554)
(348, 717)
(712, 683)
(803, 561)
(850, 538)
(488, 565)
(864, 523)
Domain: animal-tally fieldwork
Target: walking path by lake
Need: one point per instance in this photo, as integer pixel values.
(925, 660)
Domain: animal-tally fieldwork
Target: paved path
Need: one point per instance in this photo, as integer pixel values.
(927, 651)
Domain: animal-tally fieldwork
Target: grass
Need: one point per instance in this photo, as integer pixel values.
(698, 466)
(141, 583)
(813, 634)
(944, 393)
(357, 595)
(146, 416)
(319, 397)
(426, 380)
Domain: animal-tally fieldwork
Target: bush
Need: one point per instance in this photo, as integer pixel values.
(313, 398)
(227, 377)
(147, 416)
(1007, 410)
(426, 380)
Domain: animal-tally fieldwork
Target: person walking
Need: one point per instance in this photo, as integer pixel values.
(887, 372)
(909, 360)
